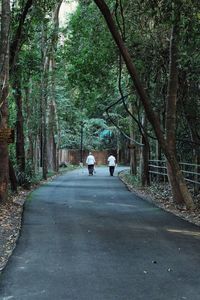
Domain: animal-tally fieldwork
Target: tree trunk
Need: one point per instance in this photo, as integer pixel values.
(12, 176)
(44, 101)
(4, 162)
(133, 160)
(53, 120)
(4, 77)
(145, 156)
(30, 151)
(183, 195)
(44, 96)
(20, 152)
(52, 148)
(15, 44)
(52, 126)
(171, 114)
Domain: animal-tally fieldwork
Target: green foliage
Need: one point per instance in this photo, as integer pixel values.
(89, 54)
(25, 179)
(130, 180)
(87, 73)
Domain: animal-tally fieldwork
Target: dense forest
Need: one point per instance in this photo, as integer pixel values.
(118, 74)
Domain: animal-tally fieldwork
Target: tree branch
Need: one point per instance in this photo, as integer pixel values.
(133, 72)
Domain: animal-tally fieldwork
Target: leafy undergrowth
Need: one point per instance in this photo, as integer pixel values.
(160, 194)
(11, 215)
(28, 181)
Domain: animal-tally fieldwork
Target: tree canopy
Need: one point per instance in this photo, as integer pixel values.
(126, 68)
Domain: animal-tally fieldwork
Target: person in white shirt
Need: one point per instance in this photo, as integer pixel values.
(111, 164)
(90, 161)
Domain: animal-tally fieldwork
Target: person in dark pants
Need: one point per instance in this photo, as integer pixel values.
(90, 161)
(111, 164)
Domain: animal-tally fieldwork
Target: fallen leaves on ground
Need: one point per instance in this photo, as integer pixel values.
(10, 224)
(160, 195)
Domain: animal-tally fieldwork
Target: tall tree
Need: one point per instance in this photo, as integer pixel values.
(181, 193)
(17, 38)
(53, 124)
(20, 147)
(44, 99)
(4, 88)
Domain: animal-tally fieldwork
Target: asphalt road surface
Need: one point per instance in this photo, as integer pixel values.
(89, 238)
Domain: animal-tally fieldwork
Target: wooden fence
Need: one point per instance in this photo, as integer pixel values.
(191, 172)
(74, 156)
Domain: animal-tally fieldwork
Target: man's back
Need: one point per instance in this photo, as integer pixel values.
(111, 160)
(90, 160)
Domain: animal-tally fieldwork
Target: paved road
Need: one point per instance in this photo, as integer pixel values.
(89, 238)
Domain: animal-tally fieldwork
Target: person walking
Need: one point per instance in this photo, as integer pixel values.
(90, 161)
(111, 164)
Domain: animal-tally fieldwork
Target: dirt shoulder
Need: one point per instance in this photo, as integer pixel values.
(160, 195)
(10, 225)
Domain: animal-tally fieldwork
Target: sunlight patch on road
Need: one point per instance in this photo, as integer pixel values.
(22, 268)
(142, 228)
(85, 201)
(120, 204)
(185, 232)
